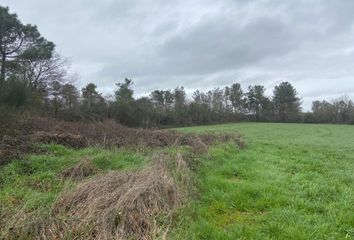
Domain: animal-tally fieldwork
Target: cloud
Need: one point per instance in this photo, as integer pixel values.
(202, 44)
(221, 44)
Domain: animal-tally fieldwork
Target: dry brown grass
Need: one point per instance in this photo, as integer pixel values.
(82, 169)
(137, 204)
(121, 205)
(12, 147)
(110, 134)
(17, 139)
(106, 134)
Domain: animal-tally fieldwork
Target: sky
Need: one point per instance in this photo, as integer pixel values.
(202, 44)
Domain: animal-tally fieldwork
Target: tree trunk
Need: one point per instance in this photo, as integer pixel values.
(2, 71)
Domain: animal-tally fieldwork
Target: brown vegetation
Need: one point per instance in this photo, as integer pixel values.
(15, 147)
(119, 205)
(106, 134)
(116, 205)
(111, 134)
(82, 169)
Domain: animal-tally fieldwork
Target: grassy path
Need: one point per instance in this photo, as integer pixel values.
(291, 182)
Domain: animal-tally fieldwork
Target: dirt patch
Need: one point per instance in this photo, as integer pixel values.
(121, 205)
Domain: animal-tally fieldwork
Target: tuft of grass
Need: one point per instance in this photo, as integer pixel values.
(292, 181)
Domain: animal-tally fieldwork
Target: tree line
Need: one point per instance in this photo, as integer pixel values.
(33, 77)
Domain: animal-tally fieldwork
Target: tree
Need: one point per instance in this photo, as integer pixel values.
(19, 43)
(180, 100)
(236, 97)
(340, 110)
(344, 110)
(286, 102)
(255, 100)
(158, 98)
(169, 99)
(179, 97)
(70, 96)
(124, 101)
(218, 104)
(197, 97)
(94, 105)
(125, 91)
(143, 112)
(227, 92)
(199, 108)
(323, 112)
(40, 73)
(56, 99)
(16, 93)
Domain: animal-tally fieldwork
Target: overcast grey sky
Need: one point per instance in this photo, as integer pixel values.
(203, 44)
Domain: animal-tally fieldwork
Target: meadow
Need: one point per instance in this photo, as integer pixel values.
(291, 181)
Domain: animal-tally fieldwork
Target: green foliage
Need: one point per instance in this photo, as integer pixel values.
(236, 97)
(19, 42)
(339, 111)
(291, 182)
(15, 93)
(93, 104)
(124, 102)
(256, 101)
(143, 112)
(286, 102)
(124, 92)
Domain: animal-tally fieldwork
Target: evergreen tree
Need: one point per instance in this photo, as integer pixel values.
(286, 102)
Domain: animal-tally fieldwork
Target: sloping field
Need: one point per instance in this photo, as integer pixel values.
(292, 181)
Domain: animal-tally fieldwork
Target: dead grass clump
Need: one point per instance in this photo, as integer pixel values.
(183, 173)
(122, 205)
(82, 169)
(194, 141)
(66, 139)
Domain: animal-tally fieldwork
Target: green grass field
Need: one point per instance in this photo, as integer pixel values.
(293, 181)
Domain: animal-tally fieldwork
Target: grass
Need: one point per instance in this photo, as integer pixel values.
(34, 183)
(291, 182)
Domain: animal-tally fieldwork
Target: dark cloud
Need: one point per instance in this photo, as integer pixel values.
(203, 43)
(221, 44)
